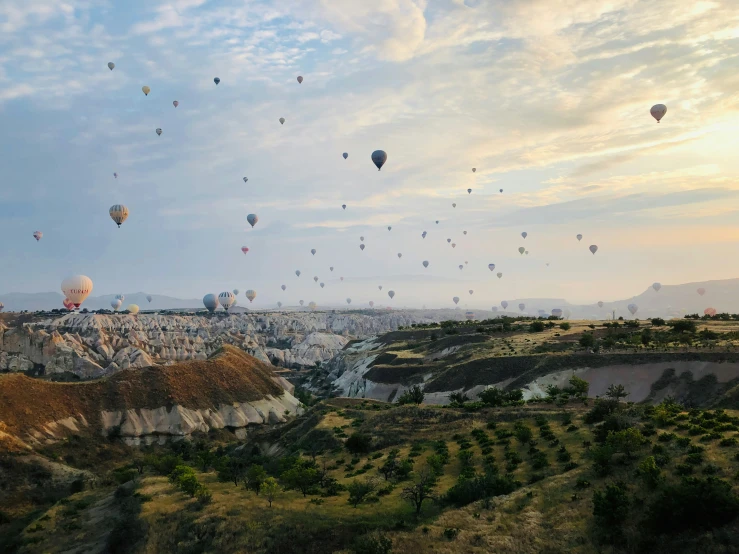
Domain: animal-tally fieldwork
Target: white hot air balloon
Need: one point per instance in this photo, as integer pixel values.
(557, 312)
(118, 213)
(312, 305)
(133, 309)
(115, 304)
(120, 297)
(656, 286)
(77, 288)
(251, 295)
(226, 299)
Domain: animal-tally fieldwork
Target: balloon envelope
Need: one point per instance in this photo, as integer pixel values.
(379, 157)
(522, 307)
(216, 80)
(244, 249)
(500, 275)
(391, 293)
(300, 78)
(111, 65)
(210, 302)
(658, 111)
(37, 235)
(701, 291)
(504, 304)
(297, 272)
(593, 248)
(524, 234)
(710, 311)
(159, 132)
(282, 121)
(283, 287)
(633, 308)
(77, 288)
(600, 303)
(115, 304)
(146, 90)
(253, 219)
(175, 103)
(455, 299)
(557, 312)
(118, 213)
(521, 250)
(149, 298)
(425, 263)
(133, 309)
(251, 295)
(656, 286)
(313, 251)
(346, 155)
(226, 299)
(579, 237)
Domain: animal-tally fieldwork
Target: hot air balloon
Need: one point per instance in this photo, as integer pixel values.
(701, 291)
(323, 285)
(504, 304)
(331, 268)
(449, 241)
(500, 275)
(67, 303)
(455, 299)
(501, 190)
(297, 272)
(372, 304)
(464, 232)
(471, 291)
(633, 308)
(312, 305)
(469, 191)
(37, 235)
(425, 263)
(283, 287)
(656, 286)
(341, 278)
(251, 295)
(133, 309)
(579, 238)
(315, 279)
(527, 252)
(557, 312)
(246, 179)
(469, 315)
(301, 302)
(361, 239)
(210, 302)
(461, 267)
(437, 221)
(379, 287)
(346, 155)
(313, 251)
(245, 249)
(226, 299)
(474, 169)
(175, 103)
(710, 311)
(146, 90)
(400, 255)
(495, 308)
(77, 288)
(149, 298)
(454, 245)
(658, 111)
(216, 80)
(236, 292)
(593, 248)
(120, 297)
(389, 228)
(423, 235)
(491, 267)
(343, 206)
(282, 121)
(118, 213)
(524, 234)
(600, 303)
(391, 294)
(115, 304)
(348, 300)
(361, 246)
(115, 175)
(379, 157)
(521, 250)
(454, 205)
(111, 65)
(300, 79)
(522, 307)
(253, 219)
(279, 304)
(159, 131)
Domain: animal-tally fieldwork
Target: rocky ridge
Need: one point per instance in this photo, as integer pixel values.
(91, 345)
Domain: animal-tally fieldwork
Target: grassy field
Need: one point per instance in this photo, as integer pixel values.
(548, 455)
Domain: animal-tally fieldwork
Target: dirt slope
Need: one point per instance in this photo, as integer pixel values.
(229, 376)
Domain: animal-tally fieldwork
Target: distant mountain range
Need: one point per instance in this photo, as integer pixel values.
(669, 301)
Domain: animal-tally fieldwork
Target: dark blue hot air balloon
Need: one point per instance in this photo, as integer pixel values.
(346, 155)
(216, 80)
(379, 157)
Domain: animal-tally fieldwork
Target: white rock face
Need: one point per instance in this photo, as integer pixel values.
(91, 345)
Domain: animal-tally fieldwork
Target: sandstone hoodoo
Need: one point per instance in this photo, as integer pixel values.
(230, 390)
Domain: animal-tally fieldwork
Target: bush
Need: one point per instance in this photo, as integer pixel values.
(374, 543)
(611, 505)
(414, 395)
(536, 326)
(483, 486)
(565, 326)
(693, 504)
(587, 340)
(359, 443)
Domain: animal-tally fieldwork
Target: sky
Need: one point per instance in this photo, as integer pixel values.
(548, 99)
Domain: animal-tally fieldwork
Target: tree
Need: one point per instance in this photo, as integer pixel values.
(458, 398)
(616, 392)
(358, 443)
(579, 386)
(269, 489)
(436, 464)
(587, 340)
(649, 471)
(523, 434)
(420, 490)
(611, 506)
(360, 490)
(414, 395)
(300, 478)
(646, 337)
(254, 477)
(536, 326)
(626, 441)
(565, 326)
(389, 468)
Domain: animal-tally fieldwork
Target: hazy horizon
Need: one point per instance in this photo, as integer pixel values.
(549, 101)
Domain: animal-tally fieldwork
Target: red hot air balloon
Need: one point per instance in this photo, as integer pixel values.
(244, 249)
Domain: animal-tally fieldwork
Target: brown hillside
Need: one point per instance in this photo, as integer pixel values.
(229, 376)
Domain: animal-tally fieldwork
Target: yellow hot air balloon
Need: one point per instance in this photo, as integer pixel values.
(133, 309)
(146, 90)
(118, 213)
